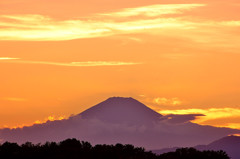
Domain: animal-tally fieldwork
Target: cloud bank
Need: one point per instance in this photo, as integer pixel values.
(169, 20)
(212, 115)
(158, 135)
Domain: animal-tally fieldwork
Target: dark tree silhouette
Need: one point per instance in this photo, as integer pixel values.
(74, 149)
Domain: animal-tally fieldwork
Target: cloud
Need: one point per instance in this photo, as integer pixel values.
(209, 115)
(233, 125)
(79, 64)
(154, 10)
(8, 58)
(51, 30)
(167, 101)
(183, 118)
(14, 99)
(165, 20)
(28, 18)
(96, 131)
(50, 118)
(43, 28)
(231, 23)
(37, 122)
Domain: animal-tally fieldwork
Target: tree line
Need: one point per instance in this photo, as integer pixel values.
(75, 149)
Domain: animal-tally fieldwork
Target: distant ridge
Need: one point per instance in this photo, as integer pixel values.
(229, 144)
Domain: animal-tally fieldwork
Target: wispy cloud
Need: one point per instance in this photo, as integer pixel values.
(150, 20)
(82, 64)
(77, 64)
(8, 58)
(154, 10)
(50, 30)
(14, 99)
(43, 28)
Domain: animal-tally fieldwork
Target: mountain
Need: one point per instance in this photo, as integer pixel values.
(121, 120)
(120, 110)
(229, 144)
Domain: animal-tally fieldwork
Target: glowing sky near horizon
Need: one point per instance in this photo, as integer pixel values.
(59, 58)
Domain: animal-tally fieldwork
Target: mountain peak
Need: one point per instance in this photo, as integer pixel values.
(122, 102)
(120, 99)
(122, 110)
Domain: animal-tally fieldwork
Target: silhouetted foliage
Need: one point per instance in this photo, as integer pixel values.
(74, 149)
(191, 153)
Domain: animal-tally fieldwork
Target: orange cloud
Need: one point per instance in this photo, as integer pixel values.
(231, 23)
(42, 28)
(232, 125)
(147, 20)
(154, 10)
(8, 58)
(49, 118)
(14, 99)
(79, 64)
(234, 135)
(210, 114)
(166, 101)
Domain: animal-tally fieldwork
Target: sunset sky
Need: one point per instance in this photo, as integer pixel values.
(60, 57)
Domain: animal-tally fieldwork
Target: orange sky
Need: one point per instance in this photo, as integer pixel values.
(60, 57)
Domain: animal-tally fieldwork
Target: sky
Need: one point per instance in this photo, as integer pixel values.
(60, 57)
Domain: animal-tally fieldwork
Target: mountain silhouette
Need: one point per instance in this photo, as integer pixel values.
(121, 110)
(229, 144)
(121, 120)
